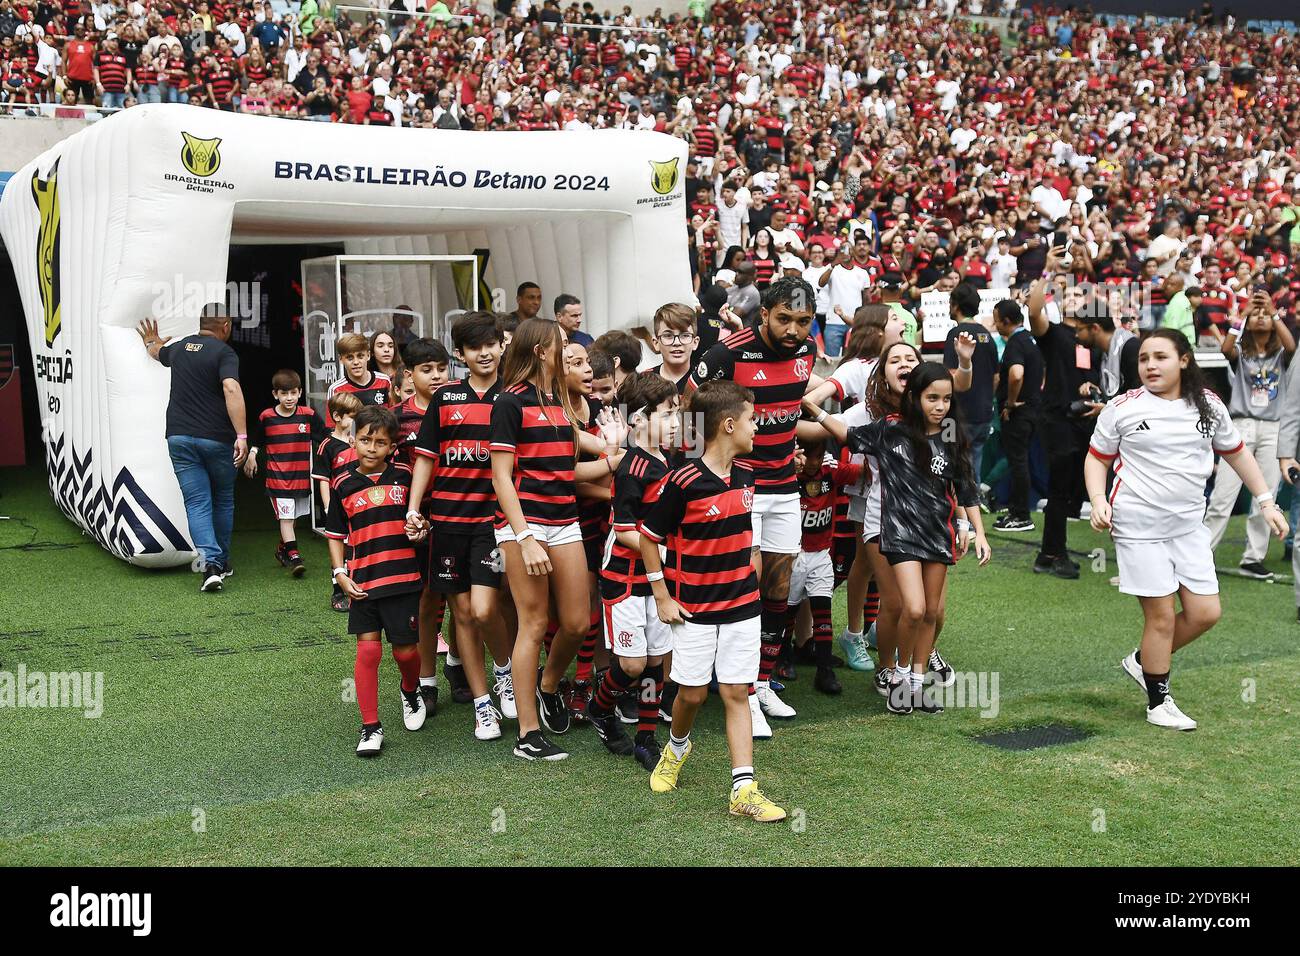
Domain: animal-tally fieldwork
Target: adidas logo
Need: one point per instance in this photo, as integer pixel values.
(760, 376)
(456, 416)
(1144, 427)
(713, 512)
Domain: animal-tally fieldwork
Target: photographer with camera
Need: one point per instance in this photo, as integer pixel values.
(1119, 350)
(1259, 347)
(1066, 420)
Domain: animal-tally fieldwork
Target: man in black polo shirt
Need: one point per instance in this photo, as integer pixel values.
(976, 399)
(1020, 384)
(206, 433)
(1067, 365)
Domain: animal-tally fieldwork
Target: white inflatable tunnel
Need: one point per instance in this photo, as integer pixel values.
(154, 196)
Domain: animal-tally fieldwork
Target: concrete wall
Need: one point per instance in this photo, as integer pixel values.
(23, 139)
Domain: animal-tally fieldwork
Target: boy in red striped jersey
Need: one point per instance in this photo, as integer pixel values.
(637, 640)
(353, 351)
(452, 462)
(424, 368)
(382, 576)
(289, 433)
(774, 360)
(332, 454)
(703, 515)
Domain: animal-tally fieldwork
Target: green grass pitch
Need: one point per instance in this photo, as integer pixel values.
(226, 737)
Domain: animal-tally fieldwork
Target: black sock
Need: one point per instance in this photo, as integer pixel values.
(290, 546)
(643, 737)
(1157, 688)
(337, 590)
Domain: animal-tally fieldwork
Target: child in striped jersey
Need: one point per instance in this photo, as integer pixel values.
(637, 640)
(333, 453)
(353, 351)
(289, 432)
(704, 515)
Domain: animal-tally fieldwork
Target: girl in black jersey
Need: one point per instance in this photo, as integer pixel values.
(925, 487)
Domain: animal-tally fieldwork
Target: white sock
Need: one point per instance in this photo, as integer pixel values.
(484, 701)
(452, 659)
(916, 679)
(899, 674)
(501, 670)
(429, 681)
(852, 635)
(739, 777)
(678, 747)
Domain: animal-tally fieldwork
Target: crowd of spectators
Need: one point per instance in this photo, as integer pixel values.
(917, 145)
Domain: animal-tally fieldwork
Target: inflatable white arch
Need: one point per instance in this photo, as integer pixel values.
(153, 196)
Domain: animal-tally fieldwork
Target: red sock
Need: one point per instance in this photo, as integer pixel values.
(408, 662)
(652, 692)
(551, 628)
(366, 676)
(587, 652)
(439, 615)
(871, 606)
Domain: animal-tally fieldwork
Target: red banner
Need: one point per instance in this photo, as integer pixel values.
(12, 445)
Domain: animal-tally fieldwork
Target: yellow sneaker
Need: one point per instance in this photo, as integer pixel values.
(664, 776)
(749, 801)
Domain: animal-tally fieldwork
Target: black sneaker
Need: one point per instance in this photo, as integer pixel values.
(340, 602)
(534, 746)
(943, 673)
(227, 571)
(296, 567)
(827, 682)
(784, 669)
(610, 731)
(646, 751)
(211, 578)
(282, 557)
(551, 710)
(881, 681)
(928, 700)
(1013, 523)
(459, 683)
(1253, 569)
(806, 653)
(629, 709)
(430, 695)
(899, 700)
(1060, 567)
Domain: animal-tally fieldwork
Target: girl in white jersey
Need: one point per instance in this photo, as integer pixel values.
(1162, 439)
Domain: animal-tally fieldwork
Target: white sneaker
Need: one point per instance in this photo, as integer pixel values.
(1168, 715)
(372, 741)
(762, 731)
(772, 705)
(487, 722)
(413, 710)
(504, 688)
(1134, 670)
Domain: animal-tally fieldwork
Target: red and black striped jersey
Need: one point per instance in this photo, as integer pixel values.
(112, 71)
(287, 441)
(850, 472)
(409, 418)
(533, 425)
(593, 513)
(764, 269)
(778, 382)
(705, 141)
(374, 392)
(222, 81)
(1216, 304)
(706, 522)
(369, 513)
(456, 433)
(333, 454)
(637, 483)
(818, 498)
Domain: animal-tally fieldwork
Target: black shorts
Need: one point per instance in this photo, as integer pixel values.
(595, 548)
(457, 562)
(843, 551)
(421, 549)
(898, 557)
(397, 616)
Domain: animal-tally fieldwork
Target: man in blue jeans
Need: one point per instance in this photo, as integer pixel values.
(206, 434)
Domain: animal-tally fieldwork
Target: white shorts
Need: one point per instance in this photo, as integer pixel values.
(551, 535)
(857, 508)
(729, 650)
(633, 628)
(287, 509)
(871, 515)
(1159, 568)
(813, 576)
(778, 525)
